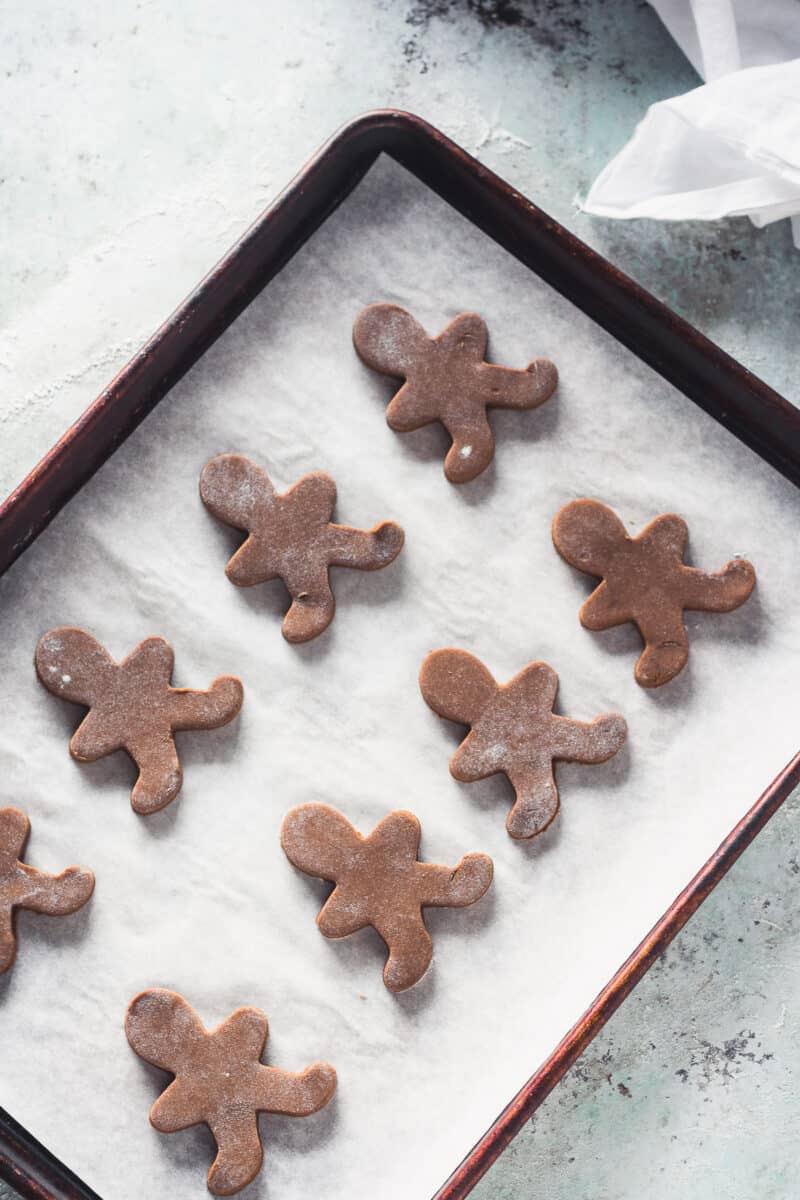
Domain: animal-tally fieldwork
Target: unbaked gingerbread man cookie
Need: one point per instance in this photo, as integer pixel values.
(220, 1080)
(22, 886)
(132, 706)
(380, 882)
(447, 380)
(646, 581)
(291, 536)
(515, 731)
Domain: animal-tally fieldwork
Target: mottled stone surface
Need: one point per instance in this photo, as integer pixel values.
(140, 140)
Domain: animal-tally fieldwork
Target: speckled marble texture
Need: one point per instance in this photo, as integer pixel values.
(140, 140)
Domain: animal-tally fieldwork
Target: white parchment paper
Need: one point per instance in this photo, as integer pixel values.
(200, 898)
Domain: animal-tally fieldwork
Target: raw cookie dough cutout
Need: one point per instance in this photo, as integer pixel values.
(646, 581)
(22, 886)
(132, 706)
(380, 882)
(220, 1080)
(292, 537)
(447, 380)
(514, 731)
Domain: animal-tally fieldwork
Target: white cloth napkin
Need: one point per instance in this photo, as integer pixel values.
(730, 147)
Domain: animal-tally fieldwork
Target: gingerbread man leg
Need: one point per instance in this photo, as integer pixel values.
(160, 773)
(8, 940)
(537, 803)
(473, 445)
(410, 949)
(666, 647)
(239, 1152)
(313, 605)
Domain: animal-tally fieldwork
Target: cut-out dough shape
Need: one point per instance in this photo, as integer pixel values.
(447, 380)
(22, 886)
(132, 706)
(292, 537)
(646, 581)
(220, 1080)
(380, 882)
(514, 731)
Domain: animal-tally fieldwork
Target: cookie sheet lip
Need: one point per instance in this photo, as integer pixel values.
(447, 380)
(23, 886)
(515, 731)
(380, 882)
(292, 537)
(132, 706)
(220, 1080)
(645, 581)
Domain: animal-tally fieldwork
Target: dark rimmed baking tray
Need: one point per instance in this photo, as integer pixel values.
(722, 387)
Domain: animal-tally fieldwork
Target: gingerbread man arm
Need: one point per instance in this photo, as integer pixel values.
(152, 661)
(721, 591)
(388, 339)
(602, 611)
(56, 895)
(296, 1093)
(589, 741)
(73, 665)
(163, 1029)
(27, 887)
(206, 709)
(14, 830)
(456, 685)
(367, 550)
(455, 887)
(503, 387)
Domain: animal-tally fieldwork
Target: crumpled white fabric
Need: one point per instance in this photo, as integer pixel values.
(730, 147)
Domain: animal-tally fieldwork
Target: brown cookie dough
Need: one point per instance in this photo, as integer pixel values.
(447, 380)
(514, 731)
(132, 706)
(292, 537)
(220, 1080)
(22, 886)
(646, 581)
(380, 882)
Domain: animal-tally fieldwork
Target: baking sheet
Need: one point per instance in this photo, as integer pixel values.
(200, 898)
